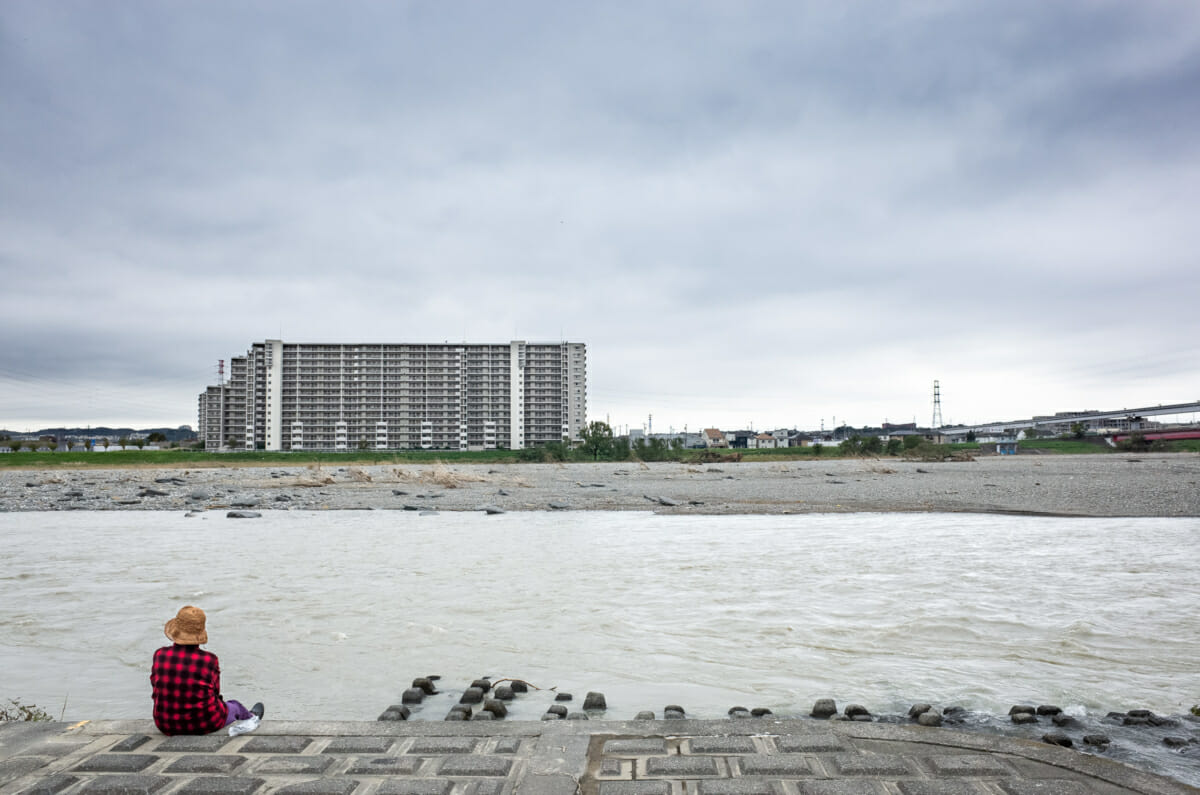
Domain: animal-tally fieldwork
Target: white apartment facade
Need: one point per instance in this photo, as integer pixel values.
(397, 396)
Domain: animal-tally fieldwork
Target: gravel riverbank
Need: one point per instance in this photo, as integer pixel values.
(1077, 485)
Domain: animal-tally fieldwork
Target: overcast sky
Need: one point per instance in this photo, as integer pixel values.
(753, 213)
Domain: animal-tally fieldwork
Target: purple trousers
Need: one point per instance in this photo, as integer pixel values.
(237, 712)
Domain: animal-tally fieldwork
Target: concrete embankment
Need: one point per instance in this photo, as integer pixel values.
(568, 757)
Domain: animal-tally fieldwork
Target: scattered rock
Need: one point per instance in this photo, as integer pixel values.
(824, 708)
(472, 695)
(760, 712)
(1175, 742)
(425, 683)
(395, 712)
(563, 697)
(1096, 739)
(413, 695)
(148, 492)
(504, 693)
(1057, 738)
(930, 717)
(644, 715)
(1023, 718)
(243, 515)
(1046, 709)
(495, 706)
(594, 700)
(557, 709)
(559, 506)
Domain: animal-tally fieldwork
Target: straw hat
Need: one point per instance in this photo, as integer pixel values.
(187, 627)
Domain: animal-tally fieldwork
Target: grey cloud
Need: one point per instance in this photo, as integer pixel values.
(787, 188)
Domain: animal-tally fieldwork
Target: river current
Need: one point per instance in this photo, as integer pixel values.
(331, 614)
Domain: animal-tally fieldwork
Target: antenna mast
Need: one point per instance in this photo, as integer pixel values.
(937, 406)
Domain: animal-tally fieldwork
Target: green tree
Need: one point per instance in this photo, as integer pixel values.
(156, 437)
(912, 441)
(122, 442)
(863, 445)
(894, 446)
(597, 440)
(817, 447)
(1078, 429)
(971, 436)
(140, 443)
(15, 445)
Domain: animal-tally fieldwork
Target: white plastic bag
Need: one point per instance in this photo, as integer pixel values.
(243, 726)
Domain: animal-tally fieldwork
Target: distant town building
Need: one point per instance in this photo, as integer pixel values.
(445, 396)
(714, 438)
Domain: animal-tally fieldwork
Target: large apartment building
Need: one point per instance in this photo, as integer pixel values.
(447, 396)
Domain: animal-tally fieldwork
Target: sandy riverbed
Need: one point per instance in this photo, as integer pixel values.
(1083, 485)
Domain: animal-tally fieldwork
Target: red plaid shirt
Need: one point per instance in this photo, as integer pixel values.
(187, 691)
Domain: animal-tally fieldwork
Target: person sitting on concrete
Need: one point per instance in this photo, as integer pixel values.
(187, 681)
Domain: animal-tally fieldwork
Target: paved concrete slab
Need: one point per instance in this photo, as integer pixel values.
(756, 756)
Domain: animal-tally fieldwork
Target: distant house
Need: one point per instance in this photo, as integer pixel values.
(740, 439)
(714, 438)
(764, 441)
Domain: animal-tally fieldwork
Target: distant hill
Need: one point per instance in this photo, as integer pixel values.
(180, 434)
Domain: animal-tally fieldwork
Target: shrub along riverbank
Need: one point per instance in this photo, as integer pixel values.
(856, 447)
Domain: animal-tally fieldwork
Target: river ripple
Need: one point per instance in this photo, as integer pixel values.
(330, 614)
